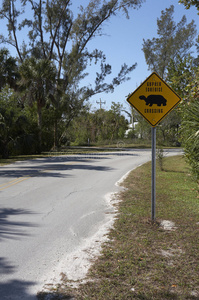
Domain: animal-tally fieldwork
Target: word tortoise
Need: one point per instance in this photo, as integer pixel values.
(154, 99)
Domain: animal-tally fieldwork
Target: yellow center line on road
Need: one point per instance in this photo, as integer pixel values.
(11, 183)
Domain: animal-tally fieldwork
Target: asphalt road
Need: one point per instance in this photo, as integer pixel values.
(51, 208)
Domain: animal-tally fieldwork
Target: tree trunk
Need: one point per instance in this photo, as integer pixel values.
(55, 135)
(5, 152)
(39, 114)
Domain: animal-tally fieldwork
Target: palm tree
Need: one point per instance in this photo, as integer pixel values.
(38, 77)
(190, 126)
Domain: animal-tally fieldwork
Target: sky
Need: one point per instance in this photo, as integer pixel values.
(122, 43)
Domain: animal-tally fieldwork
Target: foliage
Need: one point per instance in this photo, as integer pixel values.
(142, 128)
(17, 131)
(174, 42)
(160, 157)
(168, 129)
(8, 69)
(38, 81)
(190, 125)
(59, 32)
(94, 127)
(189, 3)
(180, 74)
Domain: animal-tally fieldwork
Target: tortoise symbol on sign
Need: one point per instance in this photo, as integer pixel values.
(154, 99)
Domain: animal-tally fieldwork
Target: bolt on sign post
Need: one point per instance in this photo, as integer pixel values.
(154, 99)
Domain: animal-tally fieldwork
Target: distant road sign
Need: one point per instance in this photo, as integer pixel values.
(154, 99)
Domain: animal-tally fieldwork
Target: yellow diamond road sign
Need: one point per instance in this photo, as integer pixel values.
(154, 99)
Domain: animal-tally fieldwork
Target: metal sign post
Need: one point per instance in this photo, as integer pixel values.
(154, 99)
(153, 174)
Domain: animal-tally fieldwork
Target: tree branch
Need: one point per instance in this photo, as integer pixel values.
(40, 28)
(56, 30)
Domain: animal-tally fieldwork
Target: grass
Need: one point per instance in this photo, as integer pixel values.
(142, 260)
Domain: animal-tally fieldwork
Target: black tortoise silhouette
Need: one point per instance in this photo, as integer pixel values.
(154, 99)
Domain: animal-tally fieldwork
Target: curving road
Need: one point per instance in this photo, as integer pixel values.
(51, 208)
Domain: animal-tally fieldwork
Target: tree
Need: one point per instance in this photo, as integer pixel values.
(117, 121)
(37, 77)
(174, 41)
(8, 69)
(188, 4)
(16, 129)
(180, 74)
(98, 126)
(56, 33)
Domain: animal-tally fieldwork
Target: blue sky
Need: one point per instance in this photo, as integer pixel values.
(122, 43)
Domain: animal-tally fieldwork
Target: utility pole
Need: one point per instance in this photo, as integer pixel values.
(100, 103)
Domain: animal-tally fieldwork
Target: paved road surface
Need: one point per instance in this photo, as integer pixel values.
(49, 208)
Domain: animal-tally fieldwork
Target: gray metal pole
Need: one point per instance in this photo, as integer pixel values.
(153, 174)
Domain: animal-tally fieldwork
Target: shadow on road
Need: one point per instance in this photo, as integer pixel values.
(5, 266)
(15, 290)
(55, 166)
(51, 168)
(13, 229)
(9, 229)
